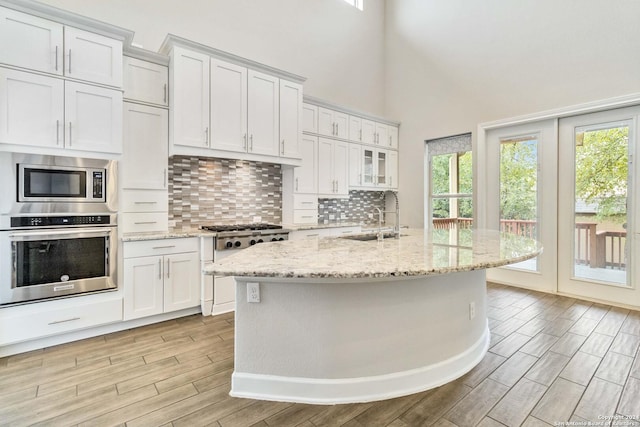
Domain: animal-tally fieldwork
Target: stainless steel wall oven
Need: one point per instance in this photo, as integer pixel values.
(58, 227)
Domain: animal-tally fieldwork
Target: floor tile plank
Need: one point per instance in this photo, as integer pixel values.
(516, 405)
(599, 399)
(559, 402)
(475, 406)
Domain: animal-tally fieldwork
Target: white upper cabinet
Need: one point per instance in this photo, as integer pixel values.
(306, 176)
(93, 118)
(43, 111)
(189, 89)
(309, 118)
(355, 165)
(144, 160)
(145, 81)
(32, 109)
(382, 134)
(393, 137)
(40, 45)
(290, 118)
(264, 113)
(368, 131)
(333, 123)
(228, 106)
(355, 129)
(333, 168)
(92, 57)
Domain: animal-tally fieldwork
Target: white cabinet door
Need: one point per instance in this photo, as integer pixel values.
(309, 118)
(30, 42)
(368, 131)
(93, 117)
(342, 124)
(290, 118)
(181, 281)
(31, 108)
(355, 129)
(145, 81)
(368, 167)
(189, 100)
(264, 113)
(382, 134)
(145, 151)
(392, 169)
(92, 57)
(143, 287)
(393, 137)
(326, 126)
(381, 168)
(306, 176)
(228, 106)
(341, 167)
(326, 184)
(355, 165)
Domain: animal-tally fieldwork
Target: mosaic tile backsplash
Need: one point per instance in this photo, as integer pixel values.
(223, 191)
(356, 208)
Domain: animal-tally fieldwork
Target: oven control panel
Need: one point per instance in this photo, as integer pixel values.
(59, 221)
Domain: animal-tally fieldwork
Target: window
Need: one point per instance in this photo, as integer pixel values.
(450, 182)
(356, 3)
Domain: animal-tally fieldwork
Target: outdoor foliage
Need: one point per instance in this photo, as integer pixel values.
(602, 170)
(518, 180)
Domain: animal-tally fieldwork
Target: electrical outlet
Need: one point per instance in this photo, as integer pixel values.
(472, 310)
(253, 292)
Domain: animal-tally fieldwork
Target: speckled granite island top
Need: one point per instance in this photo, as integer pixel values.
(416, 252)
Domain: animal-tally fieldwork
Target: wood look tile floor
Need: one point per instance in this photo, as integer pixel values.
(552, 359)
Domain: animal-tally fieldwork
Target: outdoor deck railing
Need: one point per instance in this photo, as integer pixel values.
(597, 249)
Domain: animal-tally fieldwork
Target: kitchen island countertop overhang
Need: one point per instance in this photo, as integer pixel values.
(342, 320)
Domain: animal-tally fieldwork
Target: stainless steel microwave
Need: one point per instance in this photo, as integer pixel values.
(53, 183)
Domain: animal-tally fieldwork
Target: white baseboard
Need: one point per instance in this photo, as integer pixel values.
(357, 390)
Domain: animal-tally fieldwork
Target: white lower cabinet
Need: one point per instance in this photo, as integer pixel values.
(160, 276)
(57, 317)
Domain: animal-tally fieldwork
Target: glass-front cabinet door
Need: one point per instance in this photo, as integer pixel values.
(368, 172)
(381, 163)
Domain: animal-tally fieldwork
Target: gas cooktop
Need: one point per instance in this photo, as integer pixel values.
(241, 227)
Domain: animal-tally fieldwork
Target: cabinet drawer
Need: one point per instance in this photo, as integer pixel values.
(144, 222)
(144, 201)
(159, 247)
(305, 216)
(31, 324)
(305, 201)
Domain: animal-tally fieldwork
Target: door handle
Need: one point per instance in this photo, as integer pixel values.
(244, 144)
(168, 268)
(164, 97)
(296, 184)
(56, 58)
(251, 142)
(333, 131)
(160, 269)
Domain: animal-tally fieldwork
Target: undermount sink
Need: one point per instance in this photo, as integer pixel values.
(372, 236)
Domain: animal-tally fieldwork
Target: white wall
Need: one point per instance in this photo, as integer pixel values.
(337, 47)
(451, 64)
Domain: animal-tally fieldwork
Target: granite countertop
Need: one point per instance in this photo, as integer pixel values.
(416, 252)
(172, 233)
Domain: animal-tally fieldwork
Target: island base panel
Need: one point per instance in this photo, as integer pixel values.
(329, 342)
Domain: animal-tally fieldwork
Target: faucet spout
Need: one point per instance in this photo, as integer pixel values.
(396, 227)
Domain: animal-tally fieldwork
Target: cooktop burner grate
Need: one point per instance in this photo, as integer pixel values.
(241, 227)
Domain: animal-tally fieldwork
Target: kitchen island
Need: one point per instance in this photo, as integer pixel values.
(339, 320)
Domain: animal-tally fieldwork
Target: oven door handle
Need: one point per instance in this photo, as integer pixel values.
(78, 233)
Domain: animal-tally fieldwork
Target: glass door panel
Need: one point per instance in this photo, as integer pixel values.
(382, 168)
(601, 181)
(519, 190)
(451, 190)
(598, 206)
(367, 167)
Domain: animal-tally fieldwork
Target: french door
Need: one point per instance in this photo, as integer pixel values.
(598, 208)
(572, 184)
(521, 197)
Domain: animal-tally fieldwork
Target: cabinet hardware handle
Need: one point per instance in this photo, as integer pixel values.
(56, 58)
(55, 322)
(296, 184)
(57, 131)
(244, 138)
(145, 222)
(306, 203)
(206, 135)
(307, 216)
(360, 134)
(389, 140)
(360, 178)
(282, 143)
(164, 247)
(168, 268)
(144, 203)
(333, 131)
(164, 178)
(164, 97)
(160, 269)
(69, 61)
(312, 235)
(70, 135)
(337, 128)
(251, 142)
